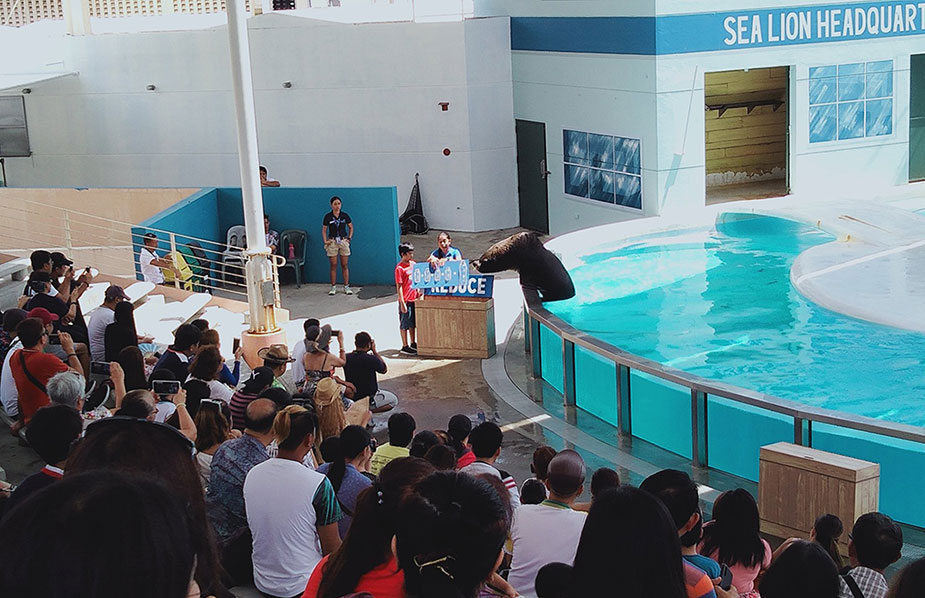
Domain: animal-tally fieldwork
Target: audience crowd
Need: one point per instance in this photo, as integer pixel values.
(182, 478)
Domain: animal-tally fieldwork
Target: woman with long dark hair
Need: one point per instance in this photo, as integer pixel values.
(206, 367)
(349, 452)
(826, 532)
(629, 543)
(450, 536)
(133, 365)
(364, 562)
(803, 570)
(158, 452)
(122, 332)
(732, 538)
(212, 429)
(458, 430)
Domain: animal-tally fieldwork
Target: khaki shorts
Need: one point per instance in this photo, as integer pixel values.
(333, 248)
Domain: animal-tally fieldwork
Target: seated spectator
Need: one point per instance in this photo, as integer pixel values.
(43, 295)
(166, 403)
(50, 434)
(442, 457)
(201, 323)
(458, 430)
(548, 532)
(553, 579)
(910, 581)
(41, 262)
(874, 544)
(678, 492)
(330, 410)
(141, 404)
(212, 429)
(602, 479)
(629, 540)
(225, 495)
(276, 357)
(485, 441)
(32, 367)
(422, 442)
(162, 454)
(265, 180)
(67, 388)
(292, 511)
(532, 492)
(9, 397)
(11, 318)
(177, 357)
(732, 538)
(151, 262)
(229, 377)
(278, 396)
(67, 285)
(401, 431)
(260, 380)
(826, 531)
(350, 456)
(365, 562)
(298, 352)
(80, 538)
(360, 369)
(132, 363)
(122, 332)
(102, 317)
(319, 364)
(54, 344)
(542, 455)
(449, 536)
(271, 236)
(206, 367)
(802, 570)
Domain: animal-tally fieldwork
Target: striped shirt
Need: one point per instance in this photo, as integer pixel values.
(697, 583)
(871, 583)
(238, 405)
(480, 467)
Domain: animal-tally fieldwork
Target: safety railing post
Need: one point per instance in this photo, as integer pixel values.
(173, 258)
(802, 431)
(699, 443)
(568, 372)
(624, 412)
(536, 349)
(67, 232)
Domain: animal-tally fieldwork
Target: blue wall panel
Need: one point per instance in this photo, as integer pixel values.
(596, 385)
(374, 210)
(551, 355)
(901, 463)
(661, 413)
(196, 216)
(736, 432)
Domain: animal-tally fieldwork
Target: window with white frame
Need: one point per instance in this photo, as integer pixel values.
(603, 168)
(850, 101)
(14, 138)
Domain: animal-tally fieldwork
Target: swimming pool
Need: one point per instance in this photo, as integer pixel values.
(717, 302)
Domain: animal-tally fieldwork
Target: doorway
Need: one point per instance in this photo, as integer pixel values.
(532, 175)
(746, 129)
(917, 117)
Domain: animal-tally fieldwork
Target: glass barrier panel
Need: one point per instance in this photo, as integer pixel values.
(736, 432)
(596, 385)
(661, 412)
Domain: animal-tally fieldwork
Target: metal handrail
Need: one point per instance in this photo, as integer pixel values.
(701, 386)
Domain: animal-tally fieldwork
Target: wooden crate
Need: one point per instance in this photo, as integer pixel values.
(455, 327)
(797, 484)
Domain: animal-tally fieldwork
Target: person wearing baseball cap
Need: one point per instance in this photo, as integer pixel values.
(101, 318)
(276, 357)
(548, 532)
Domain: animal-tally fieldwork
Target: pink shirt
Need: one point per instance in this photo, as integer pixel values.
(743, 578)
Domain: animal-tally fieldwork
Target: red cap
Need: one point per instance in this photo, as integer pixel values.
(43, 314)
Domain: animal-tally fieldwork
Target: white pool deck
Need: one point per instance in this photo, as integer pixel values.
(874, 270)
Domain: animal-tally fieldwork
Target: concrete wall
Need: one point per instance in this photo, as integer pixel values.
(362, 111)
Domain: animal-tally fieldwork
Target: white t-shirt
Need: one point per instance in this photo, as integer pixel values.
(9, 396)
(100, 318)
(278, 499)
(542, 534)
(297, 368)
(148, 272)
(217, 390)
(164, 410)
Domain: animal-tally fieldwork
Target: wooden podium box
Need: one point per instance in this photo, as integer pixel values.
(455, 326)
(798, 484)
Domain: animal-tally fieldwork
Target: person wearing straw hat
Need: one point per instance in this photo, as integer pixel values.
(332, 418)
(276, 357)
(319, 364)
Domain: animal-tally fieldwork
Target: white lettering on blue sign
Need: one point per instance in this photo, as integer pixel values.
(822, 24)
(478, 285)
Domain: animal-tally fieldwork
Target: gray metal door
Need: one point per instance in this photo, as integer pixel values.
(532, 173)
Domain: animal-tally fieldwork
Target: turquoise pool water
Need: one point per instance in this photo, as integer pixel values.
(718, 303)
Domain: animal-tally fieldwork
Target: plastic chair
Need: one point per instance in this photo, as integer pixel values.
(298, 240)
(234, 254)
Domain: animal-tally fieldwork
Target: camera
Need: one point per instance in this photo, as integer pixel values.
(165, 387)
(99, 367)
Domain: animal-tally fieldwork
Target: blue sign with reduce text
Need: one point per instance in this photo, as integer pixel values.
(477, 285)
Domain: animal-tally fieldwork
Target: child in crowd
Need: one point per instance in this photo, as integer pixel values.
(444, 251)
(406, 298)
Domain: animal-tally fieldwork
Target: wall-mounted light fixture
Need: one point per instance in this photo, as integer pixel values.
(444, 106)
(27, 90)
(287, 84)
(150, 87)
